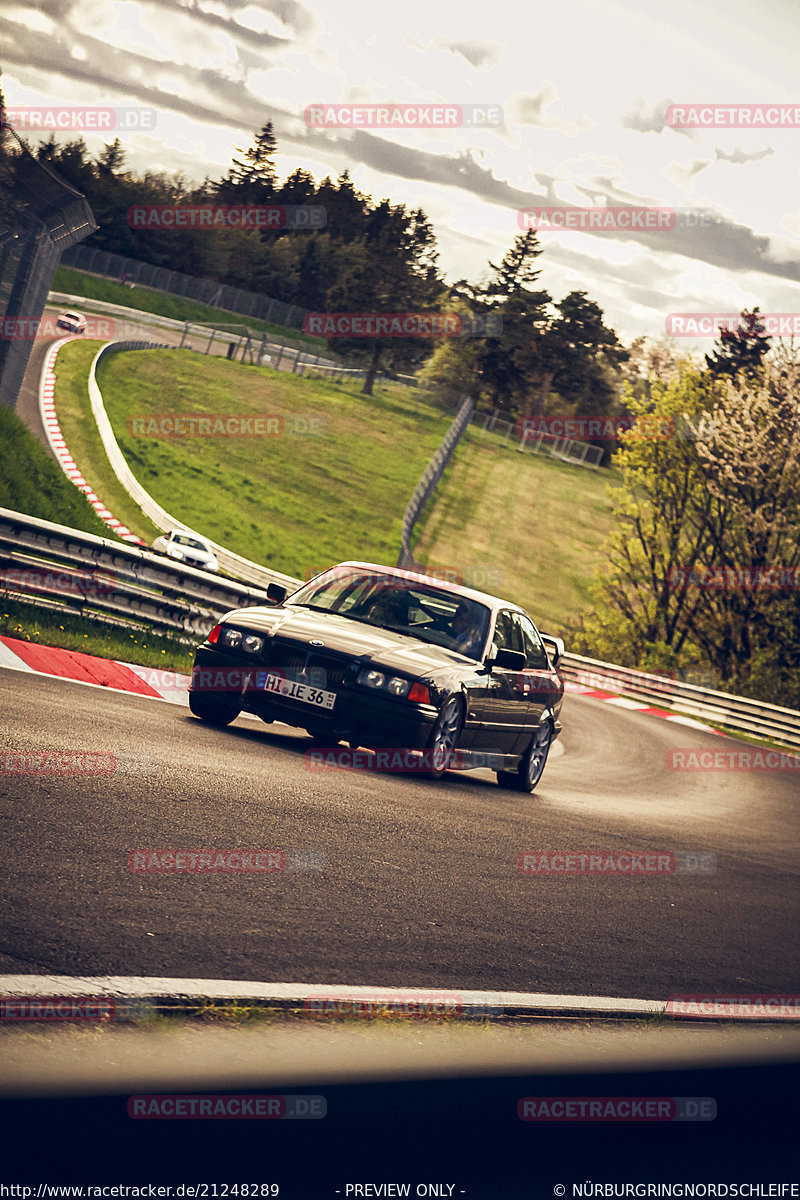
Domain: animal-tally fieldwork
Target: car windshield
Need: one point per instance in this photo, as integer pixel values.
(192, 543)
(400, 603)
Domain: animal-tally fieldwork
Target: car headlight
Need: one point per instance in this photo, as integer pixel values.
(234, 639)
(392, 684)
(177, 554)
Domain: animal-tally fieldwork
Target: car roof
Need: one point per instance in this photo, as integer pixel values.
(198, 537)
(456, 589)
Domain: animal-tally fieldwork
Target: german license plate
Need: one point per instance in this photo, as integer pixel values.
(298, 691)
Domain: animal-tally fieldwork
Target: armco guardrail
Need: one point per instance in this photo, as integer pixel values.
(429, 480)
(254, 346)
(767, 721)
(120, 584)
(110, 581)
(263, 349)
(242, 568)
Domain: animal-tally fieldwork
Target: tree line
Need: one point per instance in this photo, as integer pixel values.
(372, 256)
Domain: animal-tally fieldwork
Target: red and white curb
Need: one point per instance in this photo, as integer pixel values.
(52, 661)
(173, 687)
(591, 693)
(65, 460)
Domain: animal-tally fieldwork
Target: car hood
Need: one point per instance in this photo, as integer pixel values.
(350, 637)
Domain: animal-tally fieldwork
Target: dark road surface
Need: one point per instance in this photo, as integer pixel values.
(421, 885)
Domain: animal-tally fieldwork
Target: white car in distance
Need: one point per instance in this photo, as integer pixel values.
(73, 322)
(188, 548)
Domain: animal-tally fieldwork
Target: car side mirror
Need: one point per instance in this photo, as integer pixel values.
(276, 593)
(509, 660)
(554, 647)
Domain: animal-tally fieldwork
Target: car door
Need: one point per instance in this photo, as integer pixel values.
(540, 683)
(501, 698)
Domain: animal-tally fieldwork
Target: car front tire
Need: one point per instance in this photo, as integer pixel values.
(444, 737)
(532, 764)
(323, 740)
(212, 710)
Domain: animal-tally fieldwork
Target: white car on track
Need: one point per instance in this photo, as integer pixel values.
(73, 322)
(187, 548)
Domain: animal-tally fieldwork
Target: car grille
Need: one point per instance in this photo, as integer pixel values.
(326, 671)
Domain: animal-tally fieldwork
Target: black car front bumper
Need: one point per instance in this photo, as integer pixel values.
(359, 715)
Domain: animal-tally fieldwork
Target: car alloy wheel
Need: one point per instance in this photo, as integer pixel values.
(532, 764)
(444, 736)
(536, 758)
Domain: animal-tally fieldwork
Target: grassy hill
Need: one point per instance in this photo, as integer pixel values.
(526, 527)
(32, 482)
(295, 502)
(80, 433)
(164, 304)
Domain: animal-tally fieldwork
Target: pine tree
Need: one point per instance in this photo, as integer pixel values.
(741, 349)
(251, 179)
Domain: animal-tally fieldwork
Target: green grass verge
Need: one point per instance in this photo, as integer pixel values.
(295, 502)
(81, 436)
(30, 623)
(526, 527)
(32, 482)
(163, 304)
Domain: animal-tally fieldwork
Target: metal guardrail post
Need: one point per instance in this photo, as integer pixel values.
(430, 479)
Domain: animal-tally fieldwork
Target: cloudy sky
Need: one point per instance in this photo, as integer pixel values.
(584, 86)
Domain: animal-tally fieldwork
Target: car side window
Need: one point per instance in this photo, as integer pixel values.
(506, 635)
(535, 653)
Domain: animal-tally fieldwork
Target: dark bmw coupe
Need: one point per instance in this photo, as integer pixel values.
(381, 657)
